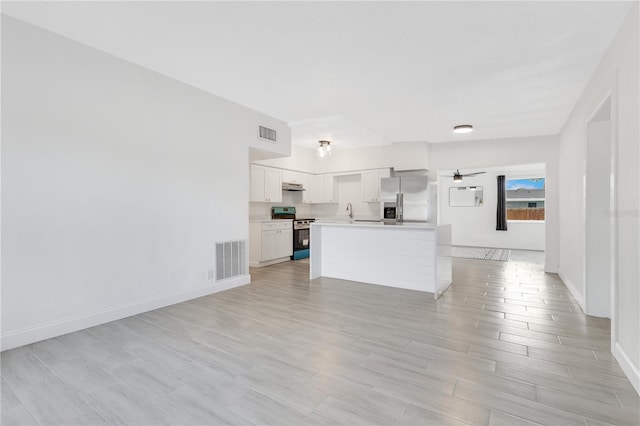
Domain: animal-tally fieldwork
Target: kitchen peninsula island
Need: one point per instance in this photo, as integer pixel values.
(410, 255)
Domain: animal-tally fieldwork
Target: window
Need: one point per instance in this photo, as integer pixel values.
(525, 199)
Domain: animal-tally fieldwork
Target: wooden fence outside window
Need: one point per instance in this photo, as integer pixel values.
(525, 214)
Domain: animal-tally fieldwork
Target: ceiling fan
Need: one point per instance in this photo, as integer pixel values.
(457, 176)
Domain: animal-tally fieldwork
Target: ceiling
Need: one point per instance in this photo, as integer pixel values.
(362, 73)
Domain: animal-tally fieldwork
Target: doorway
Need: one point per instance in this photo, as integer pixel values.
(599, 278)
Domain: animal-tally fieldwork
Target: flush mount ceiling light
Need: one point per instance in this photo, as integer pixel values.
(324, 149)
(463, 128)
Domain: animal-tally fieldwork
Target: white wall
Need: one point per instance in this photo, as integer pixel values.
(265, 148)
(476, 226)
(301, 159)
(116, 184)
(617, 74)
(503, 153)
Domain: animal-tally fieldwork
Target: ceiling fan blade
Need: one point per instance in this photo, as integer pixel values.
(473, 174)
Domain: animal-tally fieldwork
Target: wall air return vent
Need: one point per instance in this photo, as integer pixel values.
(231, 259)
(267, 134)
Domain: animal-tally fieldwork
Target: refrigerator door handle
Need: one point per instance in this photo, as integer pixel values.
(400, 207)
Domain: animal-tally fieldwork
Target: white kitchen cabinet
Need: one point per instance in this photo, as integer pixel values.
(270, 242)
(276, 244)
(410, 156)
(292, 177)
(273, 185)
(284, 243)
(371, 184)
(316, 186)
(323, 189)
(330, 189)
(268, 250)
(266, 184)
(306, 184)
(370, 193)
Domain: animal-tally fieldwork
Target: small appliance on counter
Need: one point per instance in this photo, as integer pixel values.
(301, 230)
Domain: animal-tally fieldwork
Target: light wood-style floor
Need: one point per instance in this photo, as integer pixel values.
(505, 345)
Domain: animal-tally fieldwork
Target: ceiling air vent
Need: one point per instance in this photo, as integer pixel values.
(267, 134)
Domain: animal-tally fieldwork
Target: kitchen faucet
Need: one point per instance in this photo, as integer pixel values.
(350, 210)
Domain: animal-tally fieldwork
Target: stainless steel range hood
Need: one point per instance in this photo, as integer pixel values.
(288, 186)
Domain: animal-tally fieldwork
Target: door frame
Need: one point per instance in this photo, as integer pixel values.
(611, 96)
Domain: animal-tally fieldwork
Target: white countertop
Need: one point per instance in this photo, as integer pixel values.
(344, 218)
(380, 225)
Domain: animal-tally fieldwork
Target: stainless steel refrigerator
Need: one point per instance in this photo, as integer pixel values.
(405, 199)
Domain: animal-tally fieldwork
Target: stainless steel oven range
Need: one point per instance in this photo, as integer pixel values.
(301, 238)
(301, 230)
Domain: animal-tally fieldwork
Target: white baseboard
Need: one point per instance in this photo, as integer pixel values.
(69, 325)
(254, 264)
(630, 369)
(573, 290)
(551, 267)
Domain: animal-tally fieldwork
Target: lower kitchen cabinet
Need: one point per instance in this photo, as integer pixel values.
(270, 242)
(276, 244)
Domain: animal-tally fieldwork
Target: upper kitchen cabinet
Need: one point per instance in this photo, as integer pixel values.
(266, 184)
(323, 189)
(371, 184)
(410, 156)
(305, 180)
(294, 177)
